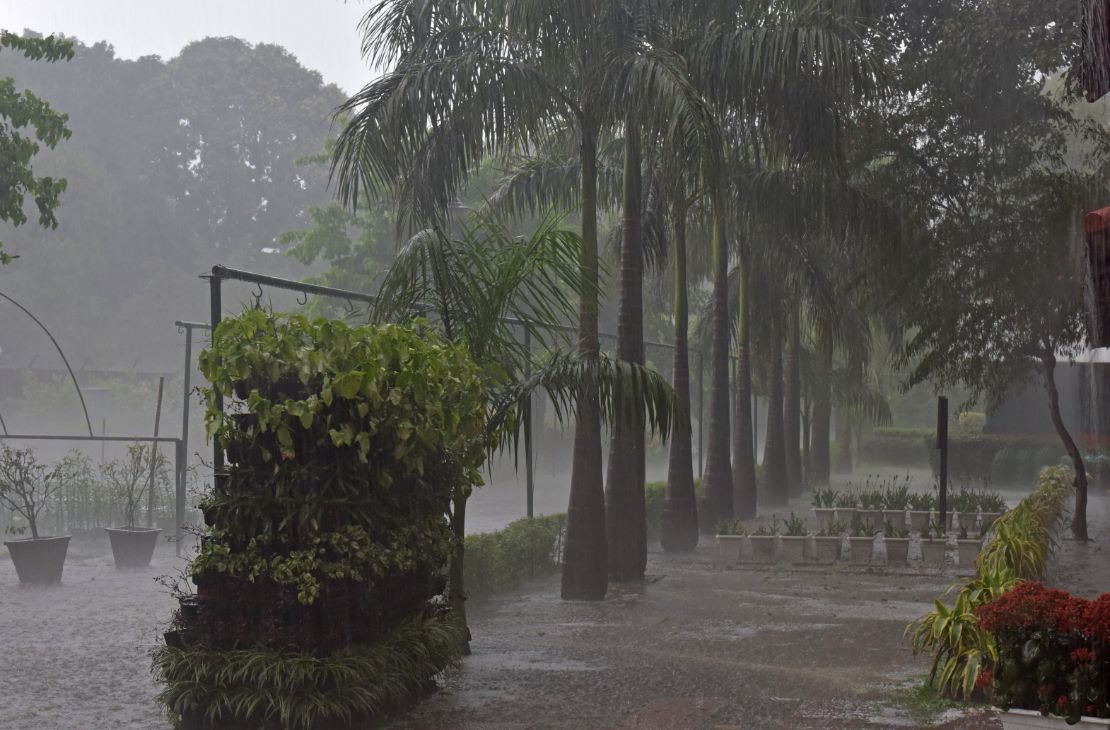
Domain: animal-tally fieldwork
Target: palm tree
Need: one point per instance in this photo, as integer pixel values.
(481, 290)
(486, 78)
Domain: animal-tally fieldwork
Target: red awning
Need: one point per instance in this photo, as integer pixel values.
(1097, 221)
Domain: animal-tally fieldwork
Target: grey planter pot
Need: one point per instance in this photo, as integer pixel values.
(730, 548)
(826, 549)
(792, 548)
(969, 551)
(763, 548)
(845, 515)
(919, 520)
(932, 552)
(132, 547)
(39, 560)
(873, 517)
(860, 550)
(897, 550)
(824, 515)
(895, 517)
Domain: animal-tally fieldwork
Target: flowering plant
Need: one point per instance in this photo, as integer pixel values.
(1052, 651)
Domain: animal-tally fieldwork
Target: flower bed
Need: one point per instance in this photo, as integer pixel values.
(1053, 651)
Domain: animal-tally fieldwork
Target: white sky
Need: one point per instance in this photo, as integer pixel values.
(322, 34)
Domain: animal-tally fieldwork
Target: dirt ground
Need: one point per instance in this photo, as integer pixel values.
(696, 646)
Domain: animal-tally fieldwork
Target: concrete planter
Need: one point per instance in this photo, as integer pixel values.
(825, 515)
(730, 548)
(826, 549)
(895, 517)
(1030, 719)
(860, 550)
(39, 560)
(763, 548)
(969, 551)
(845, 515)
(132, 547)
(987, 519)
(919, 519)
(792, 548)
(872, 517)
(932, 552)
(897, 550)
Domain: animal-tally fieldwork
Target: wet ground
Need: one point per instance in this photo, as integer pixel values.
(694, 647)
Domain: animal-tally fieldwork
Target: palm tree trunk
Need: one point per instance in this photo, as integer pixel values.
(456, 588)
(843, 462)
(717, 480)
(822, 406)
(585, 558)
(807, 441)
(680, 512)
(624, 492)
(744, 486)
(1079, 513)
(792, 409)
(774, 450)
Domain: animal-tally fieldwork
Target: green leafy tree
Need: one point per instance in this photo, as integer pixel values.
(21, 113)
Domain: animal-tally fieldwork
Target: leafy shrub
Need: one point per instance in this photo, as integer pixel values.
(655, 499)
(1019, 545)
(971, 423)
(978, 458)
(499, 561)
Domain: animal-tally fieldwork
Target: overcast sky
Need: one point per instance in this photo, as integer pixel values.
(322, 34)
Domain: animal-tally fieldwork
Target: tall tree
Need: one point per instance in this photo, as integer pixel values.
(20, 112)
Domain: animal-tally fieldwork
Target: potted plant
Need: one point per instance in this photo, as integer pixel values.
(896, 500)
(827, 543)
(792, 541)
(824, 505)
(730, 541)
(969, 548)
(26, 487)
(897, 542)
(934, 545)
(991, 507)
(128, 479)
(763, 543)
(871, 508)
(845, 503)
(921, 506)
(861, 542)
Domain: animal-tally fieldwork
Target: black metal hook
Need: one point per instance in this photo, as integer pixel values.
(303, 299)
(258, 297)
(350, 306)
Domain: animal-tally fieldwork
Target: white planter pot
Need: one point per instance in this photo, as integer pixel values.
(826, 549)
(969, 551)
(860, 550)
(897, 550)
(845, 515)
(872, 517)
(919, 519)
(895, 517)
(1027, 719)
(932, 552)
(824, 515)
(792, 548)
(730, 548)
(763, 548)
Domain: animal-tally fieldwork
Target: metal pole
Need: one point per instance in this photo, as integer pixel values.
(154, 456)
(183, 445)
(179, 496)
(528, 434)
(214, 283)
(942, 444)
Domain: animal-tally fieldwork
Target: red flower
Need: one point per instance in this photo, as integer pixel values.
(984, 679)
(1062, 702)
(1083, 655)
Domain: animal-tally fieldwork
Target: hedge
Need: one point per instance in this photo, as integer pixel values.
(896, 446)
(499, 561)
